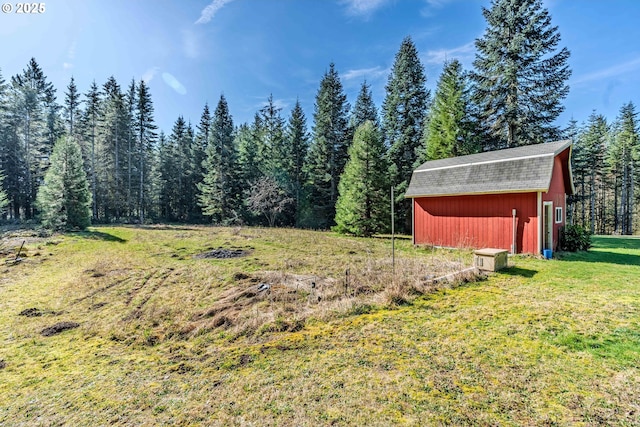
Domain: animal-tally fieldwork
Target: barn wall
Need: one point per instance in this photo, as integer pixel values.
(477, 221)
(556, 193)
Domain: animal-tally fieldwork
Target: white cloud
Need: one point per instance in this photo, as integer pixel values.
(365, 73)
(464, 53)
(150, 74)
(609, 72)
(210, 11)
(173, 83)
(67, 65)
(363, 8)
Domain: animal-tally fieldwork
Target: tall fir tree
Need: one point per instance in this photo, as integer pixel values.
(91, 117)
(146, 129)
(64, 198)
(449, 131)
(4, 201)
(113, 129)
(363, 207)
(219, 194)
(33, 126)
(594, 142)
(72, 107)
(622, 159)
(198, 156)
(131, 103)
(328, 152)
(404, 110)
(275, 146)
(520, 75)
(297, 138)
(364, 109)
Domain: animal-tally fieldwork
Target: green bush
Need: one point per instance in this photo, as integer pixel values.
(574, 238)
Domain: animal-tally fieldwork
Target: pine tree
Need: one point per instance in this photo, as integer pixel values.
(64, 198)
(328, 152)
(364, 109)
(4, 201)
(219, 193)
(71, 106)
(113, 129)
(131, 102)
(33, 126)
(362, 207)
(521, 78)
(197, 158)
(146, 129)
(298, 141)
(403, 116)
(621, 160)
(594, 141)
(449, 131)
(92, 114)
(276, 149)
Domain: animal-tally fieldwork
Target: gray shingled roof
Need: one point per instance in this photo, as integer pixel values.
(520, 169)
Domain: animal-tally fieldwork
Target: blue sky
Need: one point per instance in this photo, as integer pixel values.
(192, 51)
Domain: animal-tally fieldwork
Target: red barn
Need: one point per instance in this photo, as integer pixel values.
(513, 199)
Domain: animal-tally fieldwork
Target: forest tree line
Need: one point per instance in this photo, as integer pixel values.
(276, 170)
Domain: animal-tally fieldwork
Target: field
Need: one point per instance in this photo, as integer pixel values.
(163, 326)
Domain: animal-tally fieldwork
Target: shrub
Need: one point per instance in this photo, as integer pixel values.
(574, 238)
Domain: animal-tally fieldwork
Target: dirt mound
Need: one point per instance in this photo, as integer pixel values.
(37, 312)
(58, 327)
(31, 312)
(222, 253)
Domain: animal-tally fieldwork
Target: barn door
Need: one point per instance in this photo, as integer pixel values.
(547, 226)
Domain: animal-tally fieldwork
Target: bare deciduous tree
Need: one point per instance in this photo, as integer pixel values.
(268, 198)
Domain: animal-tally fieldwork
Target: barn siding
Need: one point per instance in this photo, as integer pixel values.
(556, 193)
(477, 221)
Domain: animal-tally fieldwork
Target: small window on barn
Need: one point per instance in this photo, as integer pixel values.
(558, 215)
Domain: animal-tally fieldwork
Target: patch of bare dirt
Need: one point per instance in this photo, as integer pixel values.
(37, 312)
(222, 253)
(58, 328)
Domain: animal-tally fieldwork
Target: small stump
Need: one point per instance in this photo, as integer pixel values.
(489, 259)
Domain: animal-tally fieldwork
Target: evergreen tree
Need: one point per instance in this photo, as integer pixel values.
(519, 74)
(64, 198)
(276, 149)
(594, 139)
(622, 158)
(197, 158)
(362, 207)
(131, 102)
(146, 130)
(364, 109)
(219, 193)
(403, 116)
(32, 127)
(4, 201)
(328, 152)
(71, 106)
(449, 131)
(113, 129)
(298, 141)
(92, 114)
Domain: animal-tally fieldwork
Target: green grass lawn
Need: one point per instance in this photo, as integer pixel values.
(546, 342)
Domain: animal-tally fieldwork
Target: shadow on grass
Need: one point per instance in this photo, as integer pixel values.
(602, 256)
(99, 235)
(616, 242)
(519, 271)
